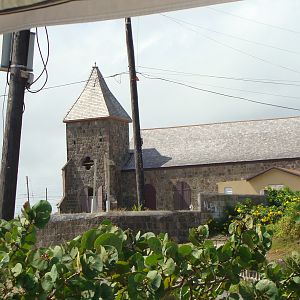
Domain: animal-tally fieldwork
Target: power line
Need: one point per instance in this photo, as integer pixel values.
(220, 94)
(233, 48)
(233, 36)
(232, 89)
(74, 82)
(255, 21)
(44, 62)
(266, 81)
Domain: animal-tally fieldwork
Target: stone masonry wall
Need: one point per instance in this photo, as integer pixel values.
(93, 139)
(62, 228)
(199, 178)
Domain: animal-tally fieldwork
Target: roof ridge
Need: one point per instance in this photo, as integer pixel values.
(225, 122)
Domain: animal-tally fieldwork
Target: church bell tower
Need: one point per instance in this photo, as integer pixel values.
(97, 145)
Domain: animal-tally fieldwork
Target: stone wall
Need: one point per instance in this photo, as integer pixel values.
(217, 204)
(203, 178)
(93, 139)
(63, 227)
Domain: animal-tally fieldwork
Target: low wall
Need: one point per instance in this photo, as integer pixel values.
(63, 227)
(216, 204)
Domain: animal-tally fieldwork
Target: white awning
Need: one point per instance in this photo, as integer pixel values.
(25, 14)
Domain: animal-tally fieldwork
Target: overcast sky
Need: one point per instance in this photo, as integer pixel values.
(191, 42)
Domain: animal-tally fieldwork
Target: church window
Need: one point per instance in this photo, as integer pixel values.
(88, 163)
(228, 191)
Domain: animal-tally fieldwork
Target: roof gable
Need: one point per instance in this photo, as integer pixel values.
(289, 171)
(96, 102)
(218, 143)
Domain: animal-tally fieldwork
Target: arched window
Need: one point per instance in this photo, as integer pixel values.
(182, 196)
(150, 197)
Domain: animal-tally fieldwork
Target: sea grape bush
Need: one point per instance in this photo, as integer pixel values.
(110, 263)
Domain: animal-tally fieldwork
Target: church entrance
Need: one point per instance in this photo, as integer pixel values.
(150, 197)
(182, 196)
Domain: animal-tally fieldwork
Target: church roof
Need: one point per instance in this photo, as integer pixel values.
(228, 142)
(96, 102)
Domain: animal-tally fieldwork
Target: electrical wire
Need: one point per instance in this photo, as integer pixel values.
(228, 88)
(265, 81)
(255, 21)
(233, 48)
(44, 62)
(73, 83)
(220, 94)
(233, 36)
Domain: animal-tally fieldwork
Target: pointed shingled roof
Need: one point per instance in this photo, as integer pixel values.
(96, 102)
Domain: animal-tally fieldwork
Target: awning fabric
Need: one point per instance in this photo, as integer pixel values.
(23, 14)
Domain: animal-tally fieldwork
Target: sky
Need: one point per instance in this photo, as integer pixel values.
(256, 39)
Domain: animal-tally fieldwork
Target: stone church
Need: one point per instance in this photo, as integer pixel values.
(179, 162)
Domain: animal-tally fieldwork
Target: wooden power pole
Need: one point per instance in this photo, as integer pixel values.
(13, 124)
(138, 156)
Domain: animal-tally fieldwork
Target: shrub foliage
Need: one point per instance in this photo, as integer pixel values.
(109, 263)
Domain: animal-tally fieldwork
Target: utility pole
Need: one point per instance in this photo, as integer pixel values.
(13, 124)
(27, 187)
(138, 156)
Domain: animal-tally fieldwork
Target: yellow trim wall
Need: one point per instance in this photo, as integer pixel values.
(258, 183)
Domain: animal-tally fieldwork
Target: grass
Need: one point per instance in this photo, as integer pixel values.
(282, 248)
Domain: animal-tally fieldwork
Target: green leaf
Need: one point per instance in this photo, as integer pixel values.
(7, 237)
(36, 261)
(4, 258)
(248, 222)
(153, 259)
(139, 277)
(185, 250)
(88, 239)
(138, 261)
(47, 283)
(226, 250)
(154, 244)
(268, 288)
(106, 222)
(53, 273)
(42, 211)
(109, 239)
(169, 267)
(155, 279)
(148, 235)
(232, 228)
(234, 296)
(296, 279)
(246, 290)
(106, 292)
(244, 253)
(17, 269)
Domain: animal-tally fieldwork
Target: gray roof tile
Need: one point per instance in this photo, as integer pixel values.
(220, 143)
(96, 102)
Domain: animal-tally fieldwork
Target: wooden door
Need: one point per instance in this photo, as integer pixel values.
(182, 196)
(150, 197)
